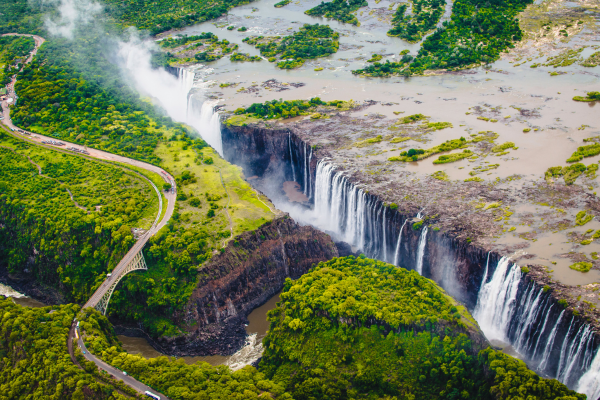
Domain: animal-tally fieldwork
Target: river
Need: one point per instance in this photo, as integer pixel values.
(256, 329)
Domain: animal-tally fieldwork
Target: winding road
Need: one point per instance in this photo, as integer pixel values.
(137, 247)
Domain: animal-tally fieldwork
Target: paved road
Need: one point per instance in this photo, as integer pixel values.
(137, 247)
(117, 373)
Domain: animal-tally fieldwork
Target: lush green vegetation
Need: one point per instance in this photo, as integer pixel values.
(22, 16)
(311, 41)
(34, 360)
(244, 57)
(425, 14)
(205, 47)
(582, 152)
(582, 266)
(409, 119)
(282, 3)
(163, 15)
(13, 51)
(591, 96)
(275, 109)
(173, 42)
(70, 91)
(339, 10)
(75, 219)
(448, 158)
(387, 68)
(478, 31)
(419, 154)
(592, 61)
(205, 218)
(363, 329)
(176, 379)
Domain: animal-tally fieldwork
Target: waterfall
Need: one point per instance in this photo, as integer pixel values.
(309, 189)
(589, 383)
(186, 80)
(485, 274)
(397, 255)
(519, 314)
(208, 124)
(575, 353)
(344, 209)
(421, 250)
(305, 170)
(291, 156)
(509, 306)
(550, 343)
(384, 236)
(495, 302)
(525, 325)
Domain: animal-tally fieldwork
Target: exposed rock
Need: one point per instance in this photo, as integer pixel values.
(252, 269)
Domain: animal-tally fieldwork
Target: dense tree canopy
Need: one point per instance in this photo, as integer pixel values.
(34, 361)
(74, 218)
(425, 14)
(364, 329)
(311, 41)
(340, 10)
(13, 51)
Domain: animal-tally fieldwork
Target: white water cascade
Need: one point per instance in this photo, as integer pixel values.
(173, 93)
(208, 124)
(589, 384)
(495, 302)
(186, 82)
(397, 254)
(248, 354)
(509, 307)
(421, 250)
(525, 316)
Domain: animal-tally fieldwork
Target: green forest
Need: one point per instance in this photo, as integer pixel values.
(175, 378)
(275, 109)
(163, 15)
(13, 51)
(69, 92)
(425, 14)
(34, 360)
(75, 217)
(311, 41)
(339, 10)
(363, 329)
(478, 31)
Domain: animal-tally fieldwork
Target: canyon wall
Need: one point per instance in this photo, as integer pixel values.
(252, 269)
(511, 304)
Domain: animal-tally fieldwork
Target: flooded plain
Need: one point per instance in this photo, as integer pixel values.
(518, 98)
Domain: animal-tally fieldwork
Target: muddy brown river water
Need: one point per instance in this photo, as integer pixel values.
(257, 329)
(524, 105)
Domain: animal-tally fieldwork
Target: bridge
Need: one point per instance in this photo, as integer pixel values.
(134, 259)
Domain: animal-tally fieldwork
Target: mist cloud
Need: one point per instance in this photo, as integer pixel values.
(69, 15)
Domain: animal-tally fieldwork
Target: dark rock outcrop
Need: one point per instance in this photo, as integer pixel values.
(252, 269)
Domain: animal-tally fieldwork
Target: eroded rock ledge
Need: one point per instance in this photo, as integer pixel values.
(252, 269)
(464, 228)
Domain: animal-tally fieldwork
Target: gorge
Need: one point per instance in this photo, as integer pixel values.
(507, 302)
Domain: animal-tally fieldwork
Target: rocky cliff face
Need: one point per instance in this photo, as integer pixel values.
(544, 320)
(252, 268)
